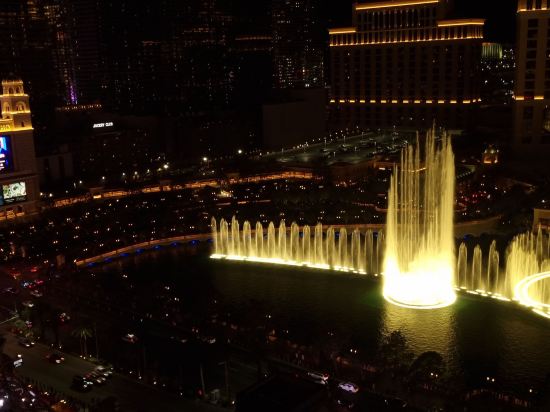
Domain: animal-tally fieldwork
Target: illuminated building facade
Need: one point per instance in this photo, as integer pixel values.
(532, 83)
(298, 44)
(405, 63)
(19, 192)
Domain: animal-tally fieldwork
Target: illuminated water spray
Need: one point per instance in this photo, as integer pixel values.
(419, 260)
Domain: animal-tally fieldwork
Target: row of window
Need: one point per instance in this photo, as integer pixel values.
(407, 35)
(410, 17)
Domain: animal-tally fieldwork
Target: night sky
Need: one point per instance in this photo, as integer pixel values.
(500, 15)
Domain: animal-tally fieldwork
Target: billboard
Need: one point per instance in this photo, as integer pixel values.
(14, 192)
(5, 154)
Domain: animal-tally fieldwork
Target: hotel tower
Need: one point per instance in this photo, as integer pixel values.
(405, 63)
(532, 83)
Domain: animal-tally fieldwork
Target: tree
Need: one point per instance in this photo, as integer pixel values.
(394, 352)
(83, 333)
(20, 325)
(428, 367)
(26, 313)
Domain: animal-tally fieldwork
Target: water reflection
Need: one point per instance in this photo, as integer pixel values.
(477, 337)
(425, 330)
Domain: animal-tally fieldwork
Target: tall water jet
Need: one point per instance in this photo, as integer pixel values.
(380, 245)
(259, 238)
(493, 269)
(369, 252)
(477, 268)
(419, 261)
(462, 266)
(215, 235)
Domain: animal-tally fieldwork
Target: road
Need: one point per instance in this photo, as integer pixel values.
(132, 395)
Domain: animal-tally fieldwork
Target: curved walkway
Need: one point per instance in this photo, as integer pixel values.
(152, 244)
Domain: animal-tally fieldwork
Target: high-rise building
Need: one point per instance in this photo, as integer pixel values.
(405, 63)
(19, 192)
(84, 26)
(202, 35)
(11, 33)
(58, 19)
(532, 83)
(27, 52)
(298, 44)
(152, 57)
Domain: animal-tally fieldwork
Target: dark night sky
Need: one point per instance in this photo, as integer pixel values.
(500, 15)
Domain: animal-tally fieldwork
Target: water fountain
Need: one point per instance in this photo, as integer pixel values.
(417, 257)
(419, 261)
(299, 246)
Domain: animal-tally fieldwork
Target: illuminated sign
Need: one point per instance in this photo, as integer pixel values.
(102, 125)
(13, 193)
(5, 154)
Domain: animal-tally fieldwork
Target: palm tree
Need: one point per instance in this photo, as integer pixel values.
(83, 333)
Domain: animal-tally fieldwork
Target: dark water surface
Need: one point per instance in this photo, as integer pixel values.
(478, 337)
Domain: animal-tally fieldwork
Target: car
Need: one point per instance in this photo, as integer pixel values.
(107, 372)
(28, 303)
(64, 318)
(209, 339)
(96, 377)
(348, 387)
(317, 377)
(130, 338)
(55, 358)
(12, 290)
(26, 342)
(346, 403)
(36, 293)
(28, 284)
(81, 384)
